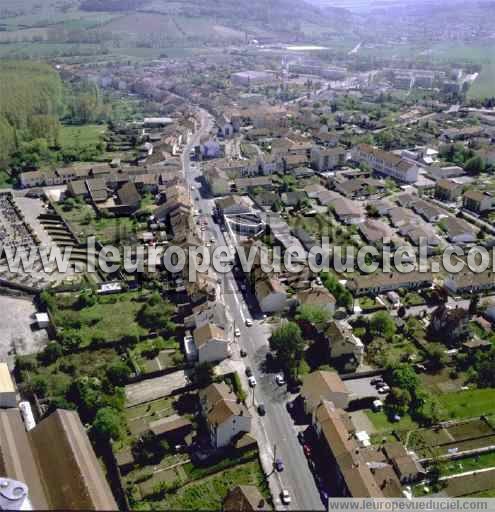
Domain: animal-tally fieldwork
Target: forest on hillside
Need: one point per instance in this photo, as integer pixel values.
(33, 104)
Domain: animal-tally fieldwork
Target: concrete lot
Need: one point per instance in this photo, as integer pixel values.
(16, 334)
(362, 388)
(153, 389)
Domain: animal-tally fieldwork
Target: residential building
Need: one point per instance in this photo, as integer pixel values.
(225, 416)
(271, 294)
(406, 465)
(380, 282)
(477, 201)
(232, 205)
(375, 232)
(8, 393)
(55, 460)
(458, 231)
(470, 282)
(360, 188)
(448, 190)
(347, 211)
(218, 181)
(317, 296)
(244, 498)
(212, 343)
(346, 467)
(327, 159)
(343, 343)
(386, 163)
(324, 385)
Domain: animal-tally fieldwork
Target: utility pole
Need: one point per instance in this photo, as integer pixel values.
(253, 396)
(274, 453)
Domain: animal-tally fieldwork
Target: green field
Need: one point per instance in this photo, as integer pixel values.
(81, 137)
(468, 404)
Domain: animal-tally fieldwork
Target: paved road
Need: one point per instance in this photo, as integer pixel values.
(275, 431)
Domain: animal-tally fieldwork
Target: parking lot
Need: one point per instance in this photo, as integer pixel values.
(16, 334)
(362, 388)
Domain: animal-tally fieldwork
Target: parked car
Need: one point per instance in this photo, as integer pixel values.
(280, 380)
(243, 353)
(279, 465)
(249, 372)
(300, 437)
(237, 332)
(375, 381)
(307, 450)
(261, 410)
(249, 322)
(252, 381)
(285, 497)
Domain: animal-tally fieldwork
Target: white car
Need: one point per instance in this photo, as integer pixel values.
(237, 332)
(252, 381)
(279, 379)
(285, 496)
(249, 322)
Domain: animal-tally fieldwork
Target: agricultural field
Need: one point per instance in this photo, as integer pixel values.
(81, 137)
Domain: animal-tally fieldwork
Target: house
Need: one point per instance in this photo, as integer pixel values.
(448, 190)
(232, 205)
(347, 211)
(129, 199)
(470, 282)
(317, 296)
(450, 324)
(360, 188)
(375, 231)
(271, 294)
(343, 343)
(244, 498)
(209, 148)
(381, 206)
(380, 282)
(324, 385)
(292, 199)
(400, 217)
(55, 460)
(346, 467)
(327, 159)
(244, 185)
(225, 416)
(218, 181)
(212, 343)
(477, 201)
(441, 173)
(8, 393)
(389, 164)
(458, 230)
(406, 466)
(174, 428)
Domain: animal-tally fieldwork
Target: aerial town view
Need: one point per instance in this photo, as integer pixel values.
(247, 255)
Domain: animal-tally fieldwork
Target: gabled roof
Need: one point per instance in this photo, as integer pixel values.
(244, 498)
(220, 403)
(204, 334)
(321, 384)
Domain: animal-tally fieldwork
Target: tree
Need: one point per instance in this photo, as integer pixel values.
(203, 374)
(287, 342)
(437, 355)
(318, 316)
(485, 369)
(50, 353)
(473, 305)
(382, 324)
(404, 377)
(398, 401)
(107, 424)
(475, 165)
(118, 373)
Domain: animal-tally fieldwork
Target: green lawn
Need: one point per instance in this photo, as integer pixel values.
(81, 136)
(111, 318)
(485, 460)
(468, 404)
(383, 425)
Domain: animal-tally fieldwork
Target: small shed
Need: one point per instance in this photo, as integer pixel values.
(8, 394)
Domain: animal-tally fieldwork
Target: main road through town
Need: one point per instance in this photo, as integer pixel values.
(276, 433)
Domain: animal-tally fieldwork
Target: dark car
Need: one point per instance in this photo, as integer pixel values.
(279, 465)
(249, 372)
(243, 353)
(261, 410)
(300, 437)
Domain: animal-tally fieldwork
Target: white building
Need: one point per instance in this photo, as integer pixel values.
(211, 343)
(226, 418)
(324, 386)
(271, 295)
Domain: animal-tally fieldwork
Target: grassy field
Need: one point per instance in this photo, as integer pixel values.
(468, 404)
(81, 137)
(383, 425)
(209, 493)
(99, 321)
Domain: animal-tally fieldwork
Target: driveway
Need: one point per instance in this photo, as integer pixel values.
(152, 389)
(362, 388)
